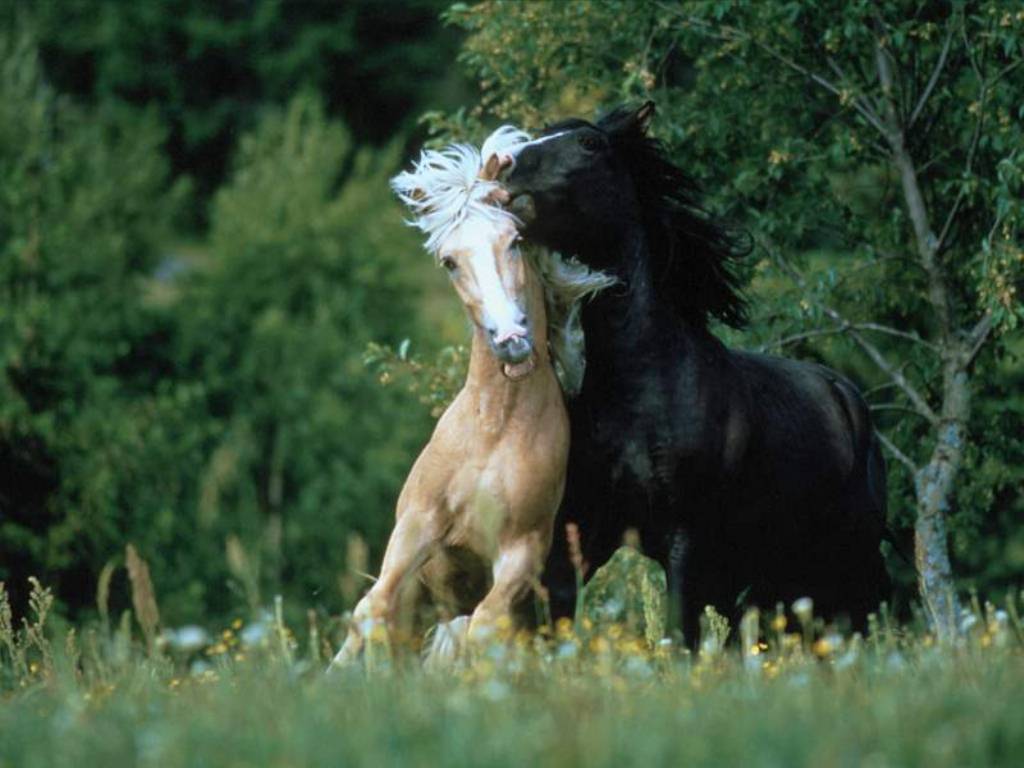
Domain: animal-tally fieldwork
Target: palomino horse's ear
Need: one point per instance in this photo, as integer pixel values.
(644, 115)
(494, 165)
(491, 168)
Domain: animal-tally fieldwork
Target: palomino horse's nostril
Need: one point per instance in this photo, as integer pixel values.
(514, 349)
(516, 334)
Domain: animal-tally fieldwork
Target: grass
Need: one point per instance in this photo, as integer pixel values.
(784, 694)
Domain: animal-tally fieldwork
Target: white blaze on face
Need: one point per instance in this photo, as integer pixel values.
(514, 152)
(478, 238)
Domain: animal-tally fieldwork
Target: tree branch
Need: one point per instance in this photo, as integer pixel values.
(893, 407)
(876, 356)
(933, 79)
(877, 388)
(814, 333)
(977, 337)
(873, 352)
(785, 341)
(895, 332)
(729, 33)
(896, 452)
(914, 199)
(975, 138)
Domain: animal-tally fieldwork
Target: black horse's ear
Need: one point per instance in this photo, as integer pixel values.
(644, 115)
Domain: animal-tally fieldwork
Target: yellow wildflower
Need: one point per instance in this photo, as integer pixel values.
(822, 648)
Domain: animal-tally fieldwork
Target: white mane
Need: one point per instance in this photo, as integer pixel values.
(444, 189)
(567, 284)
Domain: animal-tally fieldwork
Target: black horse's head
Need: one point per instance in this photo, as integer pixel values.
(573, 186)
(593, 190)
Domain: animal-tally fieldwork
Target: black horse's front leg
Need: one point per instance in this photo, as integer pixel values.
(559, 577)
(680, 611)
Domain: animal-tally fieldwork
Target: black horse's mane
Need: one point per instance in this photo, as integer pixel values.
(693, 256)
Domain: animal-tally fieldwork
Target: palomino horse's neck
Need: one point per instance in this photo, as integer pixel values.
(499, 399)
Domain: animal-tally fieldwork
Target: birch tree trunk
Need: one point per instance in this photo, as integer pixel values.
(934, 488)
(934, 482)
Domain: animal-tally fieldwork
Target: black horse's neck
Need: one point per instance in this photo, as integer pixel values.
(630, 331)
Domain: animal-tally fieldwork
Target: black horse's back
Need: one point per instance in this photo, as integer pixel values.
(814, 481)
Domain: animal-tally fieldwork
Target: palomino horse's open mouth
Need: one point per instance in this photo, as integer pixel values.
(519, 371)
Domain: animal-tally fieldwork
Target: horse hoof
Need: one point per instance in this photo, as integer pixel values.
(445, 643)
(350, 653)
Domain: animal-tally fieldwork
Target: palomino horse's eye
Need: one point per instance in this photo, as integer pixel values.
(590, 142)
(448, 263)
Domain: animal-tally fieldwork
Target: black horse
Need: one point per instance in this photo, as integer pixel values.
(752, 479)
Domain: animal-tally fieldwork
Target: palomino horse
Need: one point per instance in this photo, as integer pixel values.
(750, 478)
(483, 494)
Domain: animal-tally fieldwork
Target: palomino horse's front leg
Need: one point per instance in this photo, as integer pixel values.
(412, 539)
(516, 570)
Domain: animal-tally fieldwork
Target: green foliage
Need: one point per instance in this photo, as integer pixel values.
(209, 68)
(208, 405)
(305, 268)
(83, 202)
(773, 106)
(434, 382)
(208, 402)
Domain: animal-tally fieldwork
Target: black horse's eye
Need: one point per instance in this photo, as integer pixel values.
(448, 263)
(590, 142)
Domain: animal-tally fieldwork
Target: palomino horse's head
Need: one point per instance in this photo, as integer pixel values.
(454, 196)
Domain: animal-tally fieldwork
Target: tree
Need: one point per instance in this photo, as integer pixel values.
(83, 203)
(304, 269)
(211, 408)
(874, 150)
(209, 68)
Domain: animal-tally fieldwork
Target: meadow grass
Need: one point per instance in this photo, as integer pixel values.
(781, 694)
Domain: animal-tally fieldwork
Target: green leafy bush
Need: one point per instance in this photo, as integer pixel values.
(207, 404)
(83, 202)
(308, 262)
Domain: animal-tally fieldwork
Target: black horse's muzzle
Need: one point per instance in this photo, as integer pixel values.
(516, 181)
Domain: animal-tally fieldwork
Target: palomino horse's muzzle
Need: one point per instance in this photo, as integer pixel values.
(513, 349)
(515, 352)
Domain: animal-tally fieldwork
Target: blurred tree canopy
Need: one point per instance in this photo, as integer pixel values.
(874, 151)
(82, 207)
(302, 275)
(205, 400)
(208, 68)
